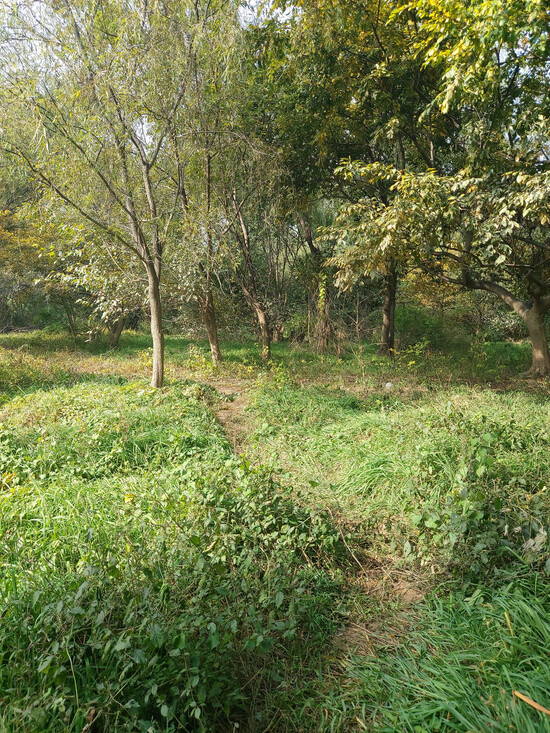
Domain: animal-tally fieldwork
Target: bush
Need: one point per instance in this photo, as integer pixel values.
(440, 331)
(19, 370)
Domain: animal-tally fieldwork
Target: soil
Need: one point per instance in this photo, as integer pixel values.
(231, 413)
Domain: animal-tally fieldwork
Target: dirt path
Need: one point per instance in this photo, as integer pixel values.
(231, 414)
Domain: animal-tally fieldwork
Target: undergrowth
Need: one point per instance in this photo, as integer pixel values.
(450, 484)
(459, 479)
(150, 580)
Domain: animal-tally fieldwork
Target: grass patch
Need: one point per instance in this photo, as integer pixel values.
(457, 668)
(458, 478)
(454, 480)
(150, 580)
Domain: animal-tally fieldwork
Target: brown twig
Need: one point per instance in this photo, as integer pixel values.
(532, 703)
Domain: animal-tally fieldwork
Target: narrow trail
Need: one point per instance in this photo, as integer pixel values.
(382, 583)
(231, 414)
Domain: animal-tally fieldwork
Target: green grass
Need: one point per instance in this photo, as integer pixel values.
(459, 476)
(458, 667)
(152, 580)
(451, 481)
(418, 360)
(148, 577)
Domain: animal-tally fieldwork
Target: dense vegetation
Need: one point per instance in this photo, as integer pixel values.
(375, 559)
(269, 276)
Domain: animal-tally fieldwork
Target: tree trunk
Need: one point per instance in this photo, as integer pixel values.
(532, 313)
(206, 301)
(115, 331)
(320, 298)
(208, 311)
(71, 320)
(323, 315)
(263, 322)
(157, 334)
(265, 330)
(309, 316)
(534, 320)
(387, 341)
(278, 332)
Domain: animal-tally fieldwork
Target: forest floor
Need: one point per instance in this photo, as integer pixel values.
(326, 543)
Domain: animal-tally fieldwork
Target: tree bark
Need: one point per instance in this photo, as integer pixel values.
(208, 311)
(387, 340)
(321, 297)
(266, 333)
(323, 326)
(115, 332)
(263, 322)
(157, 333)
(534, 320)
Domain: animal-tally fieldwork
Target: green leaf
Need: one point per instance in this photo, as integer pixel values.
(155, 635)
(213, 641)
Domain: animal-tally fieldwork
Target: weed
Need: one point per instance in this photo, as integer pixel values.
(150, 580)
(146, 571)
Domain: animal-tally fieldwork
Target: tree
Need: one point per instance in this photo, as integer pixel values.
(25, 293)
(343, 80)
(93, 99)
(476, 217)
(481, 233)
(109, 286)
(246, 190)
(494, 59)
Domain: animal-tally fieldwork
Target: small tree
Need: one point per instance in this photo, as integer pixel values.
(94, 100)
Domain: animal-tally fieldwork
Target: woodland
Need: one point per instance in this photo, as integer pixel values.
(274, 368)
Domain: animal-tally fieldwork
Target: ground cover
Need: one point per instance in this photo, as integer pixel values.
(448, 491)
(150, 579)
(299, 548)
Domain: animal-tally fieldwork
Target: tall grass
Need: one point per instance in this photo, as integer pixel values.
(457, 667)
(460, 476)
(151, 580)
(454, 481)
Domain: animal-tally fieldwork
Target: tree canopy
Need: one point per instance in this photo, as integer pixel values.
(196, 151)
